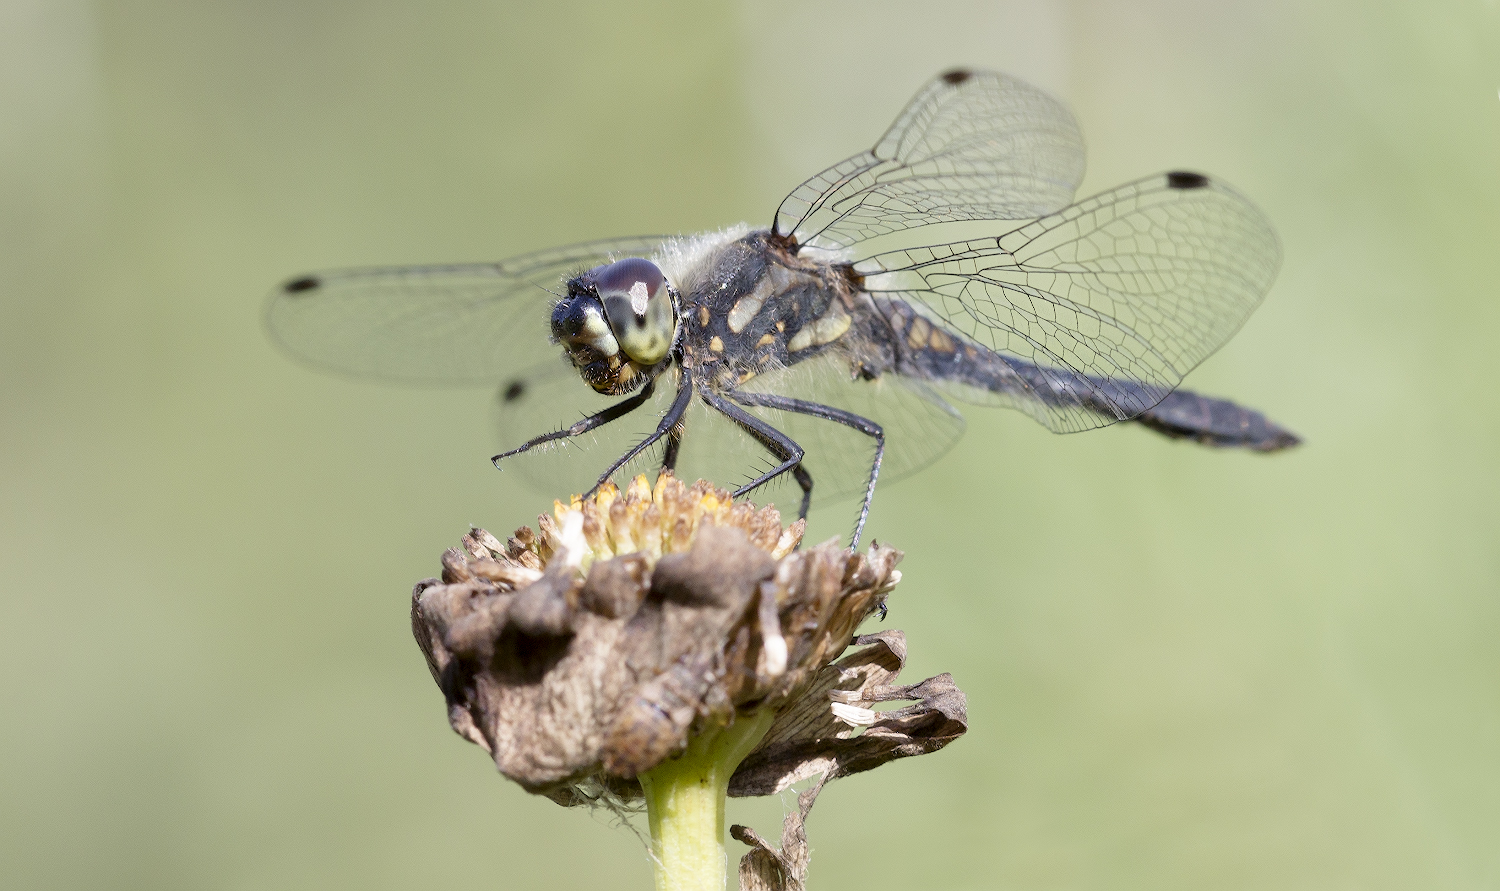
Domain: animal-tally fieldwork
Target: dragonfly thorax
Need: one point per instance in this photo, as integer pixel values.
(617, 324)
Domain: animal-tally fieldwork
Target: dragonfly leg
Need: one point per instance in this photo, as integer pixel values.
(786, 449)
(829, 413)
(674, 445)
(598, 419)
(669, 422)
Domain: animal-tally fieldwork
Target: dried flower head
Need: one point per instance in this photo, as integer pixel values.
(592, 650)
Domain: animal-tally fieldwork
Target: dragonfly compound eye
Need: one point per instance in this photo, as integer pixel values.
(578, 324)
(638, 305)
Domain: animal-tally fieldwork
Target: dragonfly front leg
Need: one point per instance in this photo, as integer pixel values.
(783, 447)
(829, 413)
(597, 419)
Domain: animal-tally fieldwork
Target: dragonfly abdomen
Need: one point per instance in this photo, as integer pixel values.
(1216, 422)
(926, 351)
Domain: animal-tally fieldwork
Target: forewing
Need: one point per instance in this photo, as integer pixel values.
(468, 324)
(972, 145)
(1103, 307)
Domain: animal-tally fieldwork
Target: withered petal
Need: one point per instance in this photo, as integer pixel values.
(808, 739)
(768, 869)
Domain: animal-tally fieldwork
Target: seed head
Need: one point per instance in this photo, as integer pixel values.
(587, 652)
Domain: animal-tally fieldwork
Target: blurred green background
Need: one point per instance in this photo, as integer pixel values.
(1185, 669)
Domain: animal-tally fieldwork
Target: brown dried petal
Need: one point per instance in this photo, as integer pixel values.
(767, 869)
(615, 588)
(808, 740)
(483, 545)
(545, 608)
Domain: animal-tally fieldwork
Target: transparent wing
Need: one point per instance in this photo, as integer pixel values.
(972, 145)
(1093, 314)
(463, 324)
(483, 324)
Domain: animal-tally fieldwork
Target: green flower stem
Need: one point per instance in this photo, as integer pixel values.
(685, 805)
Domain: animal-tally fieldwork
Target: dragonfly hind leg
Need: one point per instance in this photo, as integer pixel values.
(786, 449)
(829, 413)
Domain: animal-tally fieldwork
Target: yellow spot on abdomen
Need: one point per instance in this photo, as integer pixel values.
(916, 335)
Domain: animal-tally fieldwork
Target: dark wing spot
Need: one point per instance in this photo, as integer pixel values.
(298, 285)
(1182, 179)
(513, 391)
(957, 76)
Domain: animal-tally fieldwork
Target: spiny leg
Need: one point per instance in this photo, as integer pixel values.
(674, 446)
(671, 419)
(597, 419)
(828, 413)
(783, 447)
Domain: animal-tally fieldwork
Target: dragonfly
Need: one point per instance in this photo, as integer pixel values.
(950, 263)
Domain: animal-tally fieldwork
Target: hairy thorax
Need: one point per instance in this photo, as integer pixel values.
(752, 307)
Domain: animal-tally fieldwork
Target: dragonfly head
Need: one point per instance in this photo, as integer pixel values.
(617, 323)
